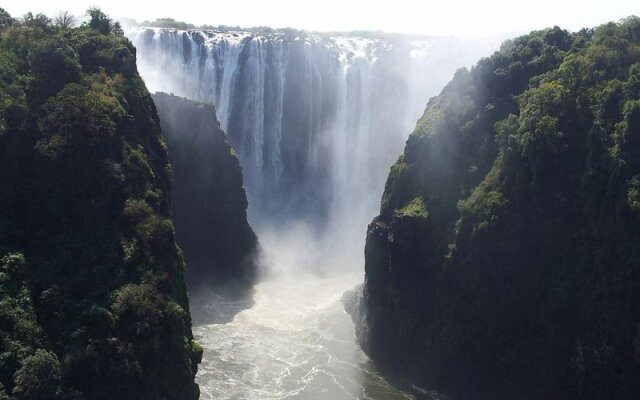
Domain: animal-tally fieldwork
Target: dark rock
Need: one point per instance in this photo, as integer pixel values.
(209, 203)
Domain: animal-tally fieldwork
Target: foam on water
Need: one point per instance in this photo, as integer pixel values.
(296, 342)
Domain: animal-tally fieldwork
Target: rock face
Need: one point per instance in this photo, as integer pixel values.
(505, 262)
(208, 201)
(93, 302)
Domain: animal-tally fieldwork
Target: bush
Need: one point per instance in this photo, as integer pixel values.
(38, 378)
(54, 64)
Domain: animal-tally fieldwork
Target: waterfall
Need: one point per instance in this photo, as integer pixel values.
(316, 120)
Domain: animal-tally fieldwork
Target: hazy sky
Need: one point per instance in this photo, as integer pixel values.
(410, 16)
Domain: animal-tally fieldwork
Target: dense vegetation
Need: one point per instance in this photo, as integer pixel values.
(93, 303)
(170, 23)
(208, 201)
(505, 263)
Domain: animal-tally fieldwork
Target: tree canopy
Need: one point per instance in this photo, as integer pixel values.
(526, 266)
(93, 301)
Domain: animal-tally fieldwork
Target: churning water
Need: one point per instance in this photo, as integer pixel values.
(296, 342)
(316, 121)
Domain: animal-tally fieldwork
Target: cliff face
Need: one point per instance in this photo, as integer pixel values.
(93, 303)
(208, 201)
(505, 262)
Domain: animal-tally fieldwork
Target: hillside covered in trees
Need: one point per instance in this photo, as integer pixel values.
(93, 302)
(505, 262)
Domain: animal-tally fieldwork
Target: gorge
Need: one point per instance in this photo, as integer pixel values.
(498, 201)
(187, 212)
(316, 121)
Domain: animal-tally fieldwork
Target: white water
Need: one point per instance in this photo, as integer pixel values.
(359, 99)
(296, 342)
(316, 120)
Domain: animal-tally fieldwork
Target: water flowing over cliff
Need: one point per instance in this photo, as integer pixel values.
(316, 120)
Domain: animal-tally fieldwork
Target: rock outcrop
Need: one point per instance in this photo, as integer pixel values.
(208, 200)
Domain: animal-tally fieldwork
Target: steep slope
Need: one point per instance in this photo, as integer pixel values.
(208, 201)
(93, 303)
(505, 262)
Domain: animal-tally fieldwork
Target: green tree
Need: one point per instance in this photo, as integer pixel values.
(117, 29)
(53, 63)
(99, 21)
(37, 21)
(5, 19)
(38, 378)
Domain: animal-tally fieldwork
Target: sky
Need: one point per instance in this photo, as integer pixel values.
(447, 17)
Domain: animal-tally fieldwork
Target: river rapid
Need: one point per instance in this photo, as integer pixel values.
(291, 337)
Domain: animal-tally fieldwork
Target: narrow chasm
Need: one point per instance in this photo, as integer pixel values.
(312, 123)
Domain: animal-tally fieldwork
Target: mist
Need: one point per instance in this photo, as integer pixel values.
(439, 18)
(316, 121)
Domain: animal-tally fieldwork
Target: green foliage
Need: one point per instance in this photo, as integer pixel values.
(483, 207)
(78, 116)
(5, 19)
(97, 306)
(524, 280)
(38, 22)
(20, 334)
(53, 64)
(38, 378)
(99, 21)
(197, 347)
(138, 309)
(415, 209)
(633, 194)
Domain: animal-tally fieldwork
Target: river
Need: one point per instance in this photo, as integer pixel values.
(296, 342)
